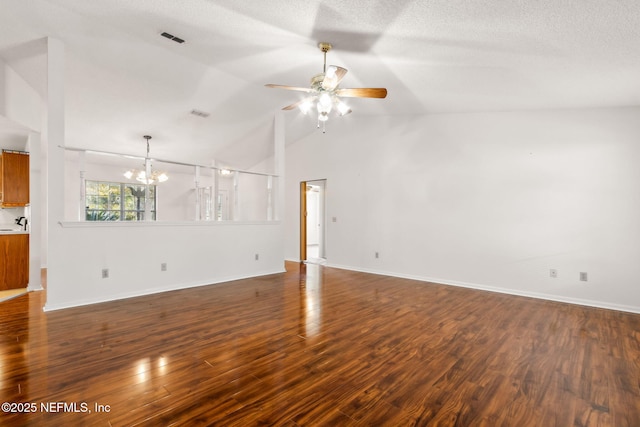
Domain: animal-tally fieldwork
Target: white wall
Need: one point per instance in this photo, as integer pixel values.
(488, 200)
(253, 197)
(19, 101)
(195, 254)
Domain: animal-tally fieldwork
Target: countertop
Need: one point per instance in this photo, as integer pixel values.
(9, 230)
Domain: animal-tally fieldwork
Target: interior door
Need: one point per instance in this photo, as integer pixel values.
(312, 221)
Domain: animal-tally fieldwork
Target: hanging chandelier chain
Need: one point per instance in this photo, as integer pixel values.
(324, 66)
(147, 137)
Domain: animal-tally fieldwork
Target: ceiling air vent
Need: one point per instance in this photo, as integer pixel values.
(172, 37)
(199, 113)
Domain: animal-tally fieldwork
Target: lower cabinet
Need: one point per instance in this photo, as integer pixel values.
(14, 261)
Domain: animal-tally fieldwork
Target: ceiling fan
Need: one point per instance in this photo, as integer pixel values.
(325, 94)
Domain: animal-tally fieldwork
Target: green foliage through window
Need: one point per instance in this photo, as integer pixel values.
(116, 201)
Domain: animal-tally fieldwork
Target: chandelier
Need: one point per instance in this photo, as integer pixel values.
(147, 175)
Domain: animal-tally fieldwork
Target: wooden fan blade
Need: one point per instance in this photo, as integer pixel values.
(363, 92)
(296, 104)
(299, 89)
(333, 76)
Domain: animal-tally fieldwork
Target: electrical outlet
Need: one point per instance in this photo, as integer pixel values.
(334, 219)
(553, 273)
(257, 257)
(105, 273)
(163, 266)
(377, 255)
(583, 276)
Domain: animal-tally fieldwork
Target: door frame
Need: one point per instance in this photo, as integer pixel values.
(303, 221)
(304, 214)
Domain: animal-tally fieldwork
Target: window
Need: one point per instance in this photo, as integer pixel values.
(117, 201)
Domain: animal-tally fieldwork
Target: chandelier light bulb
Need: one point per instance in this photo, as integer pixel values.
(305, 107)
(343, 108)
(325, 101)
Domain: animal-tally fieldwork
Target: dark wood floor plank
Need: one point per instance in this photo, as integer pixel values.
(318, 346)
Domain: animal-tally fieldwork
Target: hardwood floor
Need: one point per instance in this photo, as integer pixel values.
(320, 347)
(11, 293)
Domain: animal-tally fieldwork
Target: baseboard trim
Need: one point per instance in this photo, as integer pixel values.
(537, 295)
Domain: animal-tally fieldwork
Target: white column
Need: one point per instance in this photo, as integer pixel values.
(235, 214)
(279, 159)
(35, 211)
(54, 138)
(215, 195)
(82, 193)
(198, 201)
(147, 196)
(270, 207)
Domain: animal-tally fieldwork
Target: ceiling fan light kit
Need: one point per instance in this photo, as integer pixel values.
(325, 94)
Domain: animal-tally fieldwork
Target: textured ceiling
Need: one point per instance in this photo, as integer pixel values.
(124, 80)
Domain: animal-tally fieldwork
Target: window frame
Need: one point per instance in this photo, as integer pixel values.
(109, 201)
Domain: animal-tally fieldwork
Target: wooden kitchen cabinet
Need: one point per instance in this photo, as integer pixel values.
(14, 179)
(14, 261)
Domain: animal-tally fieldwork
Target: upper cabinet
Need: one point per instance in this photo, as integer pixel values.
(14, 179)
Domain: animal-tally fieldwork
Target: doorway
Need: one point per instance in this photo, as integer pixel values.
(313, 221)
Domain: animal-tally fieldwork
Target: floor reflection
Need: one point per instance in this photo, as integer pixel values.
(142, 370)
(18, 347)
(14, 338)
(310, 299)
(313, 255)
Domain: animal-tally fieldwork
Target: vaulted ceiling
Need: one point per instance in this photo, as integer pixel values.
(125, 80)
